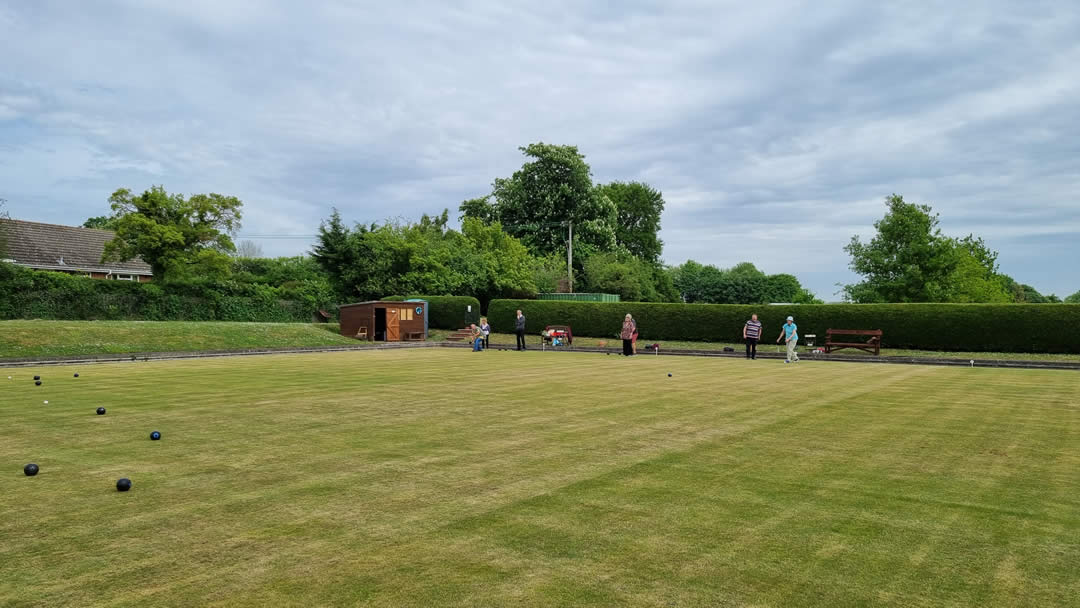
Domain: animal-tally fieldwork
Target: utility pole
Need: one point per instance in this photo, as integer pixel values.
(570, 256)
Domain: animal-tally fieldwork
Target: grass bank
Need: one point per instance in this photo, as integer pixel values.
(63, 338)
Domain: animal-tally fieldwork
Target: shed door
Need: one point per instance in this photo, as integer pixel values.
(393, 333)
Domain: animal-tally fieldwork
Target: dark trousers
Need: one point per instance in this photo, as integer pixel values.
(487, 341)
(520, 339)
(627, 347)
(751, 348)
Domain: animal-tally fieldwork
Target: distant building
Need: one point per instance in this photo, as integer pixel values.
(68, 249)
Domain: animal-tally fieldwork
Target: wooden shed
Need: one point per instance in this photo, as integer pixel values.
(384, 321)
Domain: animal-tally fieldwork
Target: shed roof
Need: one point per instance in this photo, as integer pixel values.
(55, 247)
(381, 302)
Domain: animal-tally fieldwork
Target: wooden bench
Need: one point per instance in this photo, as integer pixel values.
(872, 346)
(414, 336)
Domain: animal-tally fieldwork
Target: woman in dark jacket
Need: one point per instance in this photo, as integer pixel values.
(627, 335)
(519, 329)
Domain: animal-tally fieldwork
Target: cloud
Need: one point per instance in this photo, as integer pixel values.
(775, 129)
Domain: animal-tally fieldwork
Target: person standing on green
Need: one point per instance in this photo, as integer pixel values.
(519, 329)
(790, 333)
(751, 333)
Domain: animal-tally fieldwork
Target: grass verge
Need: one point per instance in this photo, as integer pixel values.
(767, 346)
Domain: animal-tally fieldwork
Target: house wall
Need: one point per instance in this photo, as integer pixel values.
(97, 275)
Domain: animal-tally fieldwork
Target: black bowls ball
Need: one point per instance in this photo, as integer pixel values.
(76, 375)
(100, 411)
(155, 436)
(37, 383)
(37, 377)
(30, 470)
(123, 484)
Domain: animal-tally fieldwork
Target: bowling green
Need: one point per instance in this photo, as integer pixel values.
(441, 477)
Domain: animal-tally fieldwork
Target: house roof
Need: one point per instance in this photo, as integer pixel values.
(54, 247)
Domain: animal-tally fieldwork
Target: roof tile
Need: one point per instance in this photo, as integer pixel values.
(50, 245)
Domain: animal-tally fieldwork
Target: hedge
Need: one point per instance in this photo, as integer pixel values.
(29, 294)
(1037, 328)
(446, 312)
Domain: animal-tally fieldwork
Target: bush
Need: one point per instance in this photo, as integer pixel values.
(446, 312)
(1040, 328)
(29, 294)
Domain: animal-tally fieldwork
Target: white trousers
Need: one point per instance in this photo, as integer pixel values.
(791, 354)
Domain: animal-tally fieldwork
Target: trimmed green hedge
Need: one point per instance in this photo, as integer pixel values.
(28, 294)
(446, 312)
(1038, 328)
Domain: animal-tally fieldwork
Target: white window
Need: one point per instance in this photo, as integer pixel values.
(123, 277)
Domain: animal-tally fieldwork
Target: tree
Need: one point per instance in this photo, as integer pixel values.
(101, 222)
(696, 282)
(180, 238)
(973, 276)
(634, 279)
(1073, 299)
(908, 260)
(741, 284)
(748, 270)
(343, 254)
(541, 200)
(505, 268)
(249, 249)
(638, 208)
(425, 257)
(549, 273)
(479, 208)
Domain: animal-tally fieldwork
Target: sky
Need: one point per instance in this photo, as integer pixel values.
(775, 129)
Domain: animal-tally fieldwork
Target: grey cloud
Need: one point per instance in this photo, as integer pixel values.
(774, 128)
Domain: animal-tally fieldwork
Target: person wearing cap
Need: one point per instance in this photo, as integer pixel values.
(790, 333)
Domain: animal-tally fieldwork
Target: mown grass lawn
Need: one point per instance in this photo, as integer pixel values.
(451, 478)
(65, 338)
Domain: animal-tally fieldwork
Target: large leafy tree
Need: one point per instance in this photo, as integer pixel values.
(179, 237)
(638, 207)
(908, 260)
(1074, 298)
(540, 201)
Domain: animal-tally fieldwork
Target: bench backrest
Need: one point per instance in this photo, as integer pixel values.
(854, 332)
